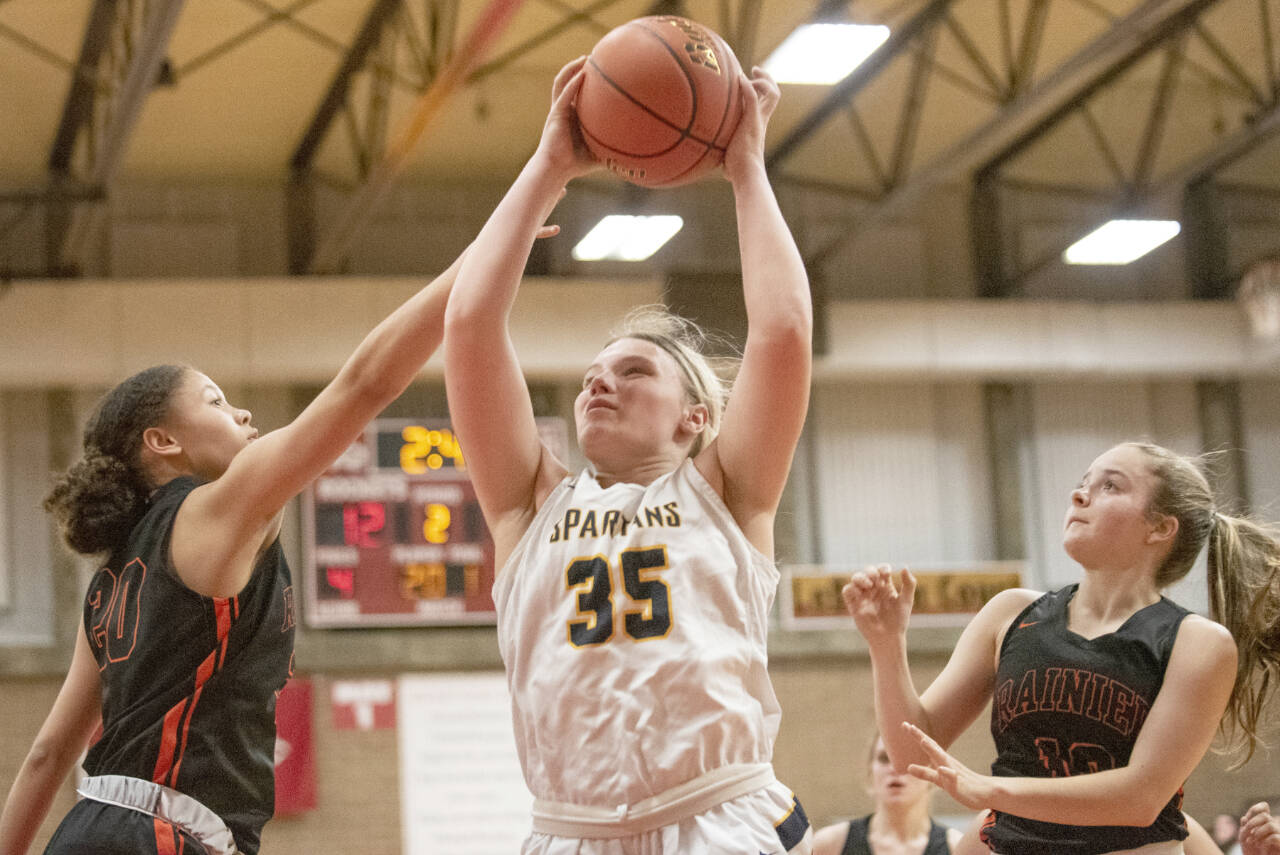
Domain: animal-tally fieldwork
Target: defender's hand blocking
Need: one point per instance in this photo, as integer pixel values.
(879, 609)
(1259, 831)
(962, 783)
(760, 96)
(561, 144)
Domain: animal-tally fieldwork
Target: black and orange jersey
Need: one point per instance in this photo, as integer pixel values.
(1068, 705)
(857, 842)
(189, 682)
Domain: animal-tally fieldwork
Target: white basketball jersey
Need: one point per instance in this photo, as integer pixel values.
(633, 623)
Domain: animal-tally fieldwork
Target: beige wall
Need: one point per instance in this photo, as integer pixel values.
(821, 750)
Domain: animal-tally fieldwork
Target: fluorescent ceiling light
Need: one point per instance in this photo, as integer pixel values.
(1120, 241)
(824, 53)
(619, 237)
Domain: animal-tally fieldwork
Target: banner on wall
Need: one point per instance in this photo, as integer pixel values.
(295, 750)
(363, 704)
(946, 594)
(461, 789)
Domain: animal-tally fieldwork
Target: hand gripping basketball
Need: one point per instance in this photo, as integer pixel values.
(661, 99)
(561, 142)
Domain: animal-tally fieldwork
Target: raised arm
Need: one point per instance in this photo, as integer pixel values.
(1186, 713)
(488, 400)
(65, 733)
(771, 394)
(958, 695)
(221, 526)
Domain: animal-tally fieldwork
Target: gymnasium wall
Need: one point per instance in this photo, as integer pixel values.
(942, 429)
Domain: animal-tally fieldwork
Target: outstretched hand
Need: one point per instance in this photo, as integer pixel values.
(966, 786)
(561, 144)
(1259, 831)
(745, 151)
(878, 608)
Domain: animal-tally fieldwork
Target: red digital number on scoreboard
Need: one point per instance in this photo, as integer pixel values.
(395, 536)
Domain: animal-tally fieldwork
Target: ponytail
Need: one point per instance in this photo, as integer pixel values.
(99, 500)
(1244, 596)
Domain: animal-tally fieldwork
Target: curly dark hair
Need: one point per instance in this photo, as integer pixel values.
(102, 496)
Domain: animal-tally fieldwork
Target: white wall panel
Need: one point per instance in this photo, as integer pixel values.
(1260, 402)
(899, 474)
(1073, 424)
(28, 619)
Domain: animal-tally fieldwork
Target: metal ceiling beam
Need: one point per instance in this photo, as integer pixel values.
(78, 109)
(375, 22)
(572, 19)
(142, 35)
(853, 83)
(1206, 225)
(334, 244)
(1138, 187)
(1137, 32)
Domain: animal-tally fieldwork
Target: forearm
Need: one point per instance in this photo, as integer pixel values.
(897, 701)
(393, 353)
(1115, 797)
(492, 270)
(774, 282)
(29, 799)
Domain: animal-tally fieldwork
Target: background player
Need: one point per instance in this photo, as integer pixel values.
(1105, 676)
(899, 824)
(633, 599)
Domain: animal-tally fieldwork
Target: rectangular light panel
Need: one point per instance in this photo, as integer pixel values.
(824, 53)
(1121, 241)
(621, 237)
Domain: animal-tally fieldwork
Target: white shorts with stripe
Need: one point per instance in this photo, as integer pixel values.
(767, 821)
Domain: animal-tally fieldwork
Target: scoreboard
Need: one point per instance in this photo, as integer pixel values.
(393, 534)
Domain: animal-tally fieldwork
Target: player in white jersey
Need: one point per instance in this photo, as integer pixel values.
(633, 598)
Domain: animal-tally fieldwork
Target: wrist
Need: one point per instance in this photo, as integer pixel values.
(545, 169)
(999, 791)
(748, 173)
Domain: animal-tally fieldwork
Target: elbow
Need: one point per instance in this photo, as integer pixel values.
(46, 756)
(471, 320)
(1139, 812)
(786, 331)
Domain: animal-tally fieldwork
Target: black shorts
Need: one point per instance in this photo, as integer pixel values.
(95, 828)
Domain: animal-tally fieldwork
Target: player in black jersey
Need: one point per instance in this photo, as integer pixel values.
(187, 633)
(1104, 695)
(899, 824)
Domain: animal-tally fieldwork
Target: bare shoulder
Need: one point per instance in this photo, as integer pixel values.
(1205, 640)
(1004, 606)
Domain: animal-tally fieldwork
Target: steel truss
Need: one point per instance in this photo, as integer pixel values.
(1144, 170)
(429, 35)
(121, 60)
(1021, 93)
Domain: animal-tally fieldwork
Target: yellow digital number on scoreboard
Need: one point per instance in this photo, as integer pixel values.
(426, 449)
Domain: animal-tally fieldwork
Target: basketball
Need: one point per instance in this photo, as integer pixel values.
(660, 100)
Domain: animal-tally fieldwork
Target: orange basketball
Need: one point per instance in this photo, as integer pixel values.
(660, 100)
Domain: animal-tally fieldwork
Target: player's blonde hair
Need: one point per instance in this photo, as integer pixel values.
(706, 379)
(1243, 574)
